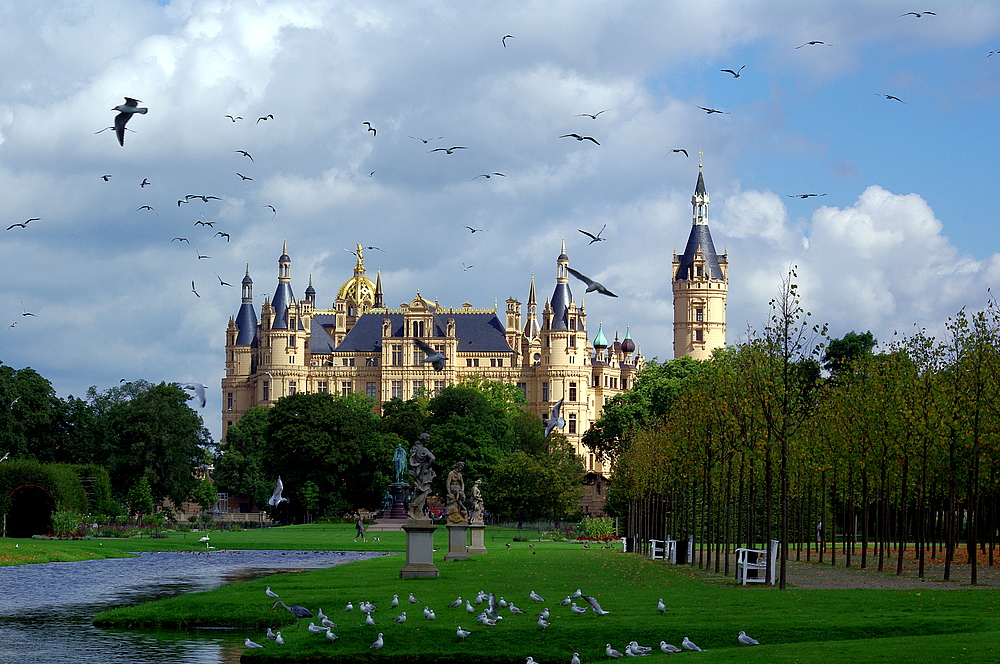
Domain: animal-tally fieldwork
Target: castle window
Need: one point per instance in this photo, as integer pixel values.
(438, 386)
(572, 323)
(624, 383)
(322, 387)
(418, 328)
(614, 383)
(371, 390)
(572, 359)
(397, 389)
(545, 391)
(418, 387)
(699, 315)
(347, 361)
(371, 361)
(572, 342)
(291, 341)
(699, 335)
(291, 359)
(572, 391)
(523, 389)
(698, 271)
(291, 323)
(267, 391)
(472, 361)
(597, 381)
(229, 401)
(397, 356)
(572, 423)
(291, 387)
(346, 387)
(418, 356)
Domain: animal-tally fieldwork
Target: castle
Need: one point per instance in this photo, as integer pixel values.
(361, 345)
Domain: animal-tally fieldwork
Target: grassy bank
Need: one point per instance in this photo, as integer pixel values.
(793, 625)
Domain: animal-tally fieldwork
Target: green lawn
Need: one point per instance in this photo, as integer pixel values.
(805, 626)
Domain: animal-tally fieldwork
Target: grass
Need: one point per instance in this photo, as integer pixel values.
(804, 626)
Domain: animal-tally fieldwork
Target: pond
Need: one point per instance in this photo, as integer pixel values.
(46, 611)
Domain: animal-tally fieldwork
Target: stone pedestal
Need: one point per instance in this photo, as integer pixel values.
(400, 499)
(478, 536)
(419, 550)
(457, 548)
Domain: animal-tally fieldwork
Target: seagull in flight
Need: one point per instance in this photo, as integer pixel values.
(466, 268)
(221, 234)
(106, 177)
(204, 222)
(245, 154)
(245, 178)
(736, 74)
(450, 150)
(488, 175)
(425, 141)
(918, 14)
(680, 150)
(145, 207)
(276, 498)
(594, 238)
(24, 224)
(505, 38)
(200, 256)
(274, 212)
(265, 117)
(125, 113)
(814, 43)
(592, 116)
(182, 239)
(803, 195)
(591, 284)
(193, 290)
(203, 197)
(435, 357)
(144, 183)
(24, 312)
(370, 128)
(581, 138)
(713, 110)
(890, 97)
(476, 230)
(555, 421)
(234, 118)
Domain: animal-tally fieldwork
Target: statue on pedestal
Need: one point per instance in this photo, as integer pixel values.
(399, 463)
(455, 504)
(477, 504)
(422, 473)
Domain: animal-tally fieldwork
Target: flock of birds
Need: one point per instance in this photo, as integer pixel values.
(491, 613)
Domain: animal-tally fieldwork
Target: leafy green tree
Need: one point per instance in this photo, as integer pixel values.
(140, 497)
(526, 487)
(406, 419)
(31, 416)
(333, 442)
(842, 353)
(241, 468)
(205, 494)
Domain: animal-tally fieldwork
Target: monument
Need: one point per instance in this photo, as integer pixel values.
(457, 514)
(419, 527)
(394, 504)
(477, 526)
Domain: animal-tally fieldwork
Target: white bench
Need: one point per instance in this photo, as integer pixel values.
(752, 565)
(663, 550)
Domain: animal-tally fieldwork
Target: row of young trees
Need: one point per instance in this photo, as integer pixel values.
(145, 435)
(888, 455)
(334, 454)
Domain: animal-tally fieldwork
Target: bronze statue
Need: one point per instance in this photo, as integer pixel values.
(422, 473)
(455, 505)
(399, 462)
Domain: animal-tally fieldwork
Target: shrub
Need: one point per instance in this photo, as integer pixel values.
(597, 528)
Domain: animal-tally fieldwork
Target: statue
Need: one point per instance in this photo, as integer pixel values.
(399, 462)
(455, 504)
(477, 503)
(387, 502)
(422, 473)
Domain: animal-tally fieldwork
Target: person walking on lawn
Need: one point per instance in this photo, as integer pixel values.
(360, 525)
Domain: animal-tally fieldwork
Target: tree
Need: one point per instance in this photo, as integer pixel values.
(842, 353)
(140, 498)
(330, 442)
(31, 415)
(240, 468)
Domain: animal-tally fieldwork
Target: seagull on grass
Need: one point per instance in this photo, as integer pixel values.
(271, 593)
(378, 642)
(690, 645)
(462, 633)
(611, 652)
(747, 640)
(250, 644)
(668, 648)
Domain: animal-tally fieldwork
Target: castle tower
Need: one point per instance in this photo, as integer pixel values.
(700, 283)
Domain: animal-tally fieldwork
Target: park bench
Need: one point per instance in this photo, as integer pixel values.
(752, 565)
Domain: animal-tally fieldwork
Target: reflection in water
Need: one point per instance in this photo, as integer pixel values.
(47, 609)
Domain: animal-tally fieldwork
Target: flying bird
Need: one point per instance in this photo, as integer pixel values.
(488, 175)
(505, 38)
(993, 52)
(221, 282)
(234, 118)
(747, 640)
(594, 238)
(193, 290)
(890, 97)
(680, 150)
(106, 177)
(181, 201)
(24, 224)
(370, 128)
(736, 74)
(555, 421)
(200, 255)
(182, 239)
(918, 14)
(197, 388)
(245, 178)
(145, 207)
(274, 212)
(145, 181)
(204, 222)
(425, 141)
(591, 284)
(221, 234)
(125, 113)
(265, 117)
(276, 498)
(24, 312)
(465, 268)
(244, 153)
(205, 198)
(814, 43)
(581, 138)
(450, 150)
(713, 110)
(592, 116)
(595, 605)
(476, 230)
(435, 357)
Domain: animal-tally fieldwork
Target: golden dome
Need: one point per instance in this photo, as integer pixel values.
(358, 288)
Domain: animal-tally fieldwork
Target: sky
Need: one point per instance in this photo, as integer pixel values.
(903, 235)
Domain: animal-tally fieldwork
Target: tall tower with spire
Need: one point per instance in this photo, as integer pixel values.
(700, 284)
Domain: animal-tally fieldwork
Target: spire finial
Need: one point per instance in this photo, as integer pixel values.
(701, 153)
(284, 246)
(248, 270)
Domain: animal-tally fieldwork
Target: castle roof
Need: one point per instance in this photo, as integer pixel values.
(476, 332)
(700, 238)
